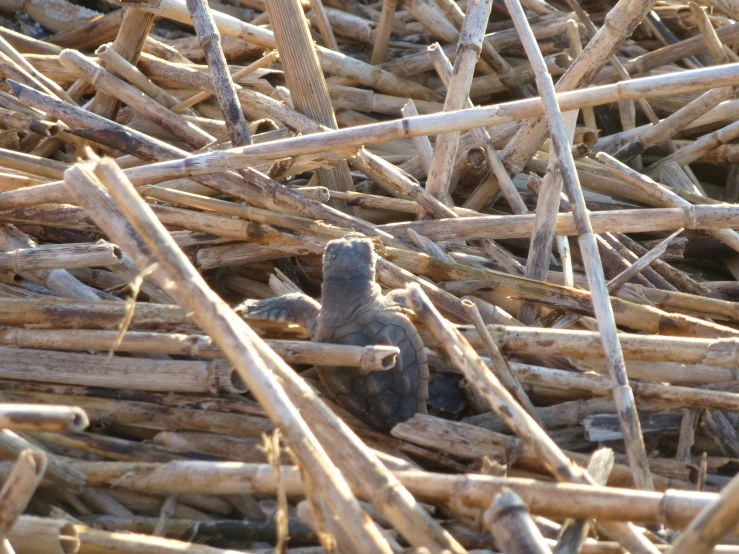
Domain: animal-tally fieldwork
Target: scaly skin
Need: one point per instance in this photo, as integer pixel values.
(354, 312)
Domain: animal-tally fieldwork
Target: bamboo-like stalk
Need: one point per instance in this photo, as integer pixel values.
(114, 62)
(410, 520)
(146, 374)
(331, 60)
(57, 471)
(619, 24)
(486, 193)
(422, 144)
(713, 523)
(257, 188)
(307, 84)
(58, 280)
(501, 401)
(661, 194)
(512, 527)
(15, 120)
(128, 43)
(714, 217)
(625, 276)
(431, 124)
(575, 532)
(147, 416)
(384, 30)
(37, 535)
(19, 487)
(573, 36)
(58, 256)
(31, 417)
(120, 90)
(8, 50)
(499, 364)
(468, 51)
(264, 61)
(368, 358)
(210, 40)
(623, 395)
(674, 123)
(674, 508)
(323, 24)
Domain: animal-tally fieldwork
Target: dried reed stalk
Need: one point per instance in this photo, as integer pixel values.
(619, 24)
(504, 405)
(19, 487)
(58, 256)
(713, 523)
(236, 338)
(623, 395)
(40, 535)
(307, 84)
(512, 527)
(270, 193)
(120, 90)
(487, 190)
(675, 508)
(457, 121)
(128, 43)
(384, 30)
(368, 358)
(458, 90)
(210, 40)
(661, 194)
(331, 60)
(29, 417)
(264, 61)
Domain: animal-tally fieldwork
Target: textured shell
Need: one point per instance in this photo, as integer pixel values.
(381, 399)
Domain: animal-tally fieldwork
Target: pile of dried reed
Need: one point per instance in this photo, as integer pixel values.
(553, 184)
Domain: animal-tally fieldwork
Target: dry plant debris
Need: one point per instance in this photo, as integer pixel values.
(532, 348)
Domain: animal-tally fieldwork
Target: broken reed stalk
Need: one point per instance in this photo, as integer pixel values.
(400, 508)
(367, 358)
(423, 145)
(675, 508)
(34, 535)
(20, 487)
(383, 31)
(458, 90)
(307, 84)
(128, 43)
(31, 417)
(499, 364)
(619, 23)
(186, 376)
(59, 256)
(264, 61)
(629, 419)
(712, 524)
(624, 277)
(256, 189)
(506, 407)
(234, 336)
(575, 531)
(210, 41)
(487, 190)
(126, 70)
(432, 124)
(661, 194)
(511, 525)
(673, 124)
(148, 107)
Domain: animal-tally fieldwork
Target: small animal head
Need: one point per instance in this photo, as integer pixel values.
(349, 258)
